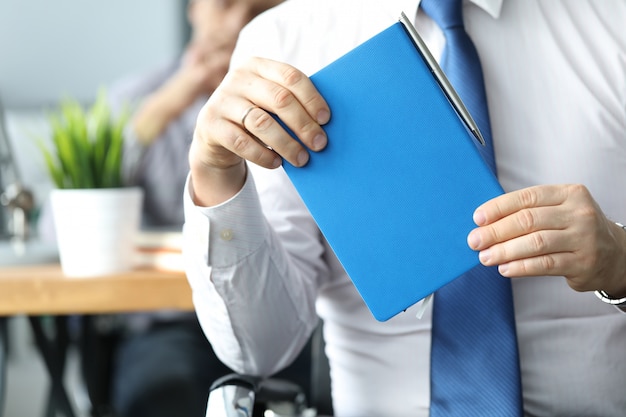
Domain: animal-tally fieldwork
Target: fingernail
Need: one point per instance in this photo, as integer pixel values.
(303, 158)
(485, 256)
(479, 217)
(323, 116)
(473, 240)
(319, 142)
(503, 269)
(277, 162)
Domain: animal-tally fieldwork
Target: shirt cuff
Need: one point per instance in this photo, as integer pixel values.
(228, 232)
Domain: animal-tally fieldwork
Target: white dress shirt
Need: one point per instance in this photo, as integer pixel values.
(260, 271)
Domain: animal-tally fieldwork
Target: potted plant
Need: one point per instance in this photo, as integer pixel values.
(96, 216)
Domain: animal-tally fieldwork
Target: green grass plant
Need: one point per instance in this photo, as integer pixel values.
(86, 145)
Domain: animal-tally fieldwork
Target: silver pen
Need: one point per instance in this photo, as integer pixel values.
(441, 78)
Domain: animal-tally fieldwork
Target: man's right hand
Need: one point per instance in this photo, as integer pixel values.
(221, 143)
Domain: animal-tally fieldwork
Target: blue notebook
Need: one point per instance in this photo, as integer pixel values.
(396, 187)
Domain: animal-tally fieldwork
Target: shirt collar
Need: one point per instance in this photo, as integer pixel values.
(493, 7)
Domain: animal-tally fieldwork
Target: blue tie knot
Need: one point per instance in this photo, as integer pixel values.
(448, 14)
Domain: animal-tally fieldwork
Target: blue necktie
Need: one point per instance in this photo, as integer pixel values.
(474, 359)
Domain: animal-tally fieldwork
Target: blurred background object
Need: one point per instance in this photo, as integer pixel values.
(15, 200)
(50, 50)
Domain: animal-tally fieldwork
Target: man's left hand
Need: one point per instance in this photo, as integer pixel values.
(552, 230)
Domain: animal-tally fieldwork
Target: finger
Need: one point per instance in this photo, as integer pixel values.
(518, 224)
(535, 244)
(227, 141)
(554, 264)
(506, 204)
(298, 84)
(259, 125)
(262, 126)
(287, 93)
(283, 103)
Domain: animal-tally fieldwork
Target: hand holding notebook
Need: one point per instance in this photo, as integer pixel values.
(395, 189)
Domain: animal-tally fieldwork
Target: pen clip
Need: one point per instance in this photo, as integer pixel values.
(442, 80)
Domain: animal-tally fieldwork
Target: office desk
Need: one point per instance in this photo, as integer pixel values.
(43, 290)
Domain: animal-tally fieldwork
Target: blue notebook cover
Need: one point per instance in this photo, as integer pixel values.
(396, 187)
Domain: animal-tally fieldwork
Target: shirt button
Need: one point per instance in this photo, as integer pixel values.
(226, 234)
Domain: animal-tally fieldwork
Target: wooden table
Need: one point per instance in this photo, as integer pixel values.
(43, 290)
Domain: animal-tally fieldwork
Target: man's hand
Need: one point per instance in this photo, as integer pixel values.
(221, 141)
(552, 230)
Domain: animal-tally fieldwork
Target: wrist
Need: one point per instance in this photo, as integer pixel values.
(616, 295)
(212, 185)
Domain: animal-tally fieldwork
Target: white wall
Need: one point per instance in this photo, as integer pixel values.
(51, 48)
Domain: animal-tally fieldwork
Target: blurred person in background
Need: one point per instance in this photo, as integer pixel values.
(162, 364)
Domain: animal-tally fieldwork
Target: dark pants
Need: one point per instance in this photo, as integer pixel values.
(165, 371)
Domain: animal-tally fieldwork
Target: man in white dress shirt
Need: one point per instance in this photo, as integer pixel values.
(262, 273)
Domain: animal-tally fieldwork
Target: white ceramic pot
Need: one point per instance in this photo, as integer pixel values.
(96, 229)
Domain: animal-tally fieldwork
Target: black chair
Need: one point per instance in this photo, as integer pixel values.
(301, 387)
(305, 381)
